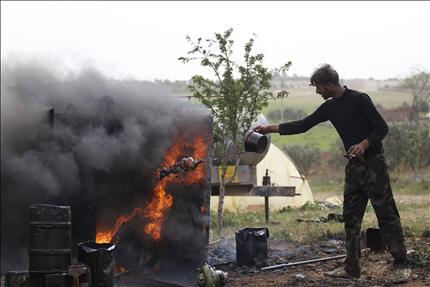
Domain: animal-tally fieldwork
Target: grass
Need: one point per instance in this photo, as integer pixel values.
(323, 136)
(413, 203)
(324, 186)
(416, 183)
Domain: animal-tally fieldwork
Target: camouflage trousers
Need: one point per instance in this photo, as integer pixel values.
(364, 181)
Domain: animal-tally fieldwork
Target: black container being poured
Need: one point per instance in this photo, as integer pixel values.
(255, 142)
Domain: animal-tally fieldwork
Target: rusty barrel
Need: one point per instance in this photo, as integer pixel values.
(50, 241)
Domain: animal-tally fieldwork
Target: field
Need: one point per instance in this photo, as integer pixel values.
(307, 100)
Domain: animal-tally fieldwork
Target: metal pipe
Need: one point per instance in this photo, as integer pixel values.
(266, 209)
(279, 266)
(266, 182)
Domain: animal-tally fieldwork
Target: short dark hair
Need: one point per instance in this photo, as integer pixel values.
(325, 74)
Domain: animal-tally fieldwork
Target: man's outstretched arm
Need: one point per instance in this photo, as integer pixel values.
(267, 129)
(295, 127)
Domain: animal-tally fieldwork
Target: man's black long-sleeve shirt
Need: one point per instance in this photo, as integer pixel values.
(353, 115)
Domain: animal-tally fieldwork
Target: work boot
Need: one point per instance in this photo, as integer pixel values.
(341, 273)
(401, 274)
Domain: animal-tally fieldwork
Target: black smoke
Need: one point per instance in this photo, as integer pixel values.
(107, 138)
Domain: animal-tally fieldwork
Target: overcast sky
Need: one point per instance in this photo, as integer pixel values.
(143, 40)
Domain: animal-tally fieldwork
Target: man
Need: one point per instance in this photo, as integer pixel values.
(361, 129)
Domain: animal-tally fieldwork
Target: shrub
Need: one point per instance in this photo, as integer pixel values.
(287, 114)
(408, 145)
(306, 158)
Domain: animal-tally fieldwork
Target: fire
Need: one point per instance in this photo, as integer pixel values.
(161, 201)
(106, 236)
(154, 211)
(198, 150)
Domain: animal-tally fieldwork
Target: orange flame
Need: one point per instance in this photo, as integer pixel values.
(161, 201)
(197, 149)
(106, 236)
(154, 211)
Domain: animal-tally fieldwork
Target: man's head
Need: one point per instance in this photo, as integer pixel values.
(326, 81)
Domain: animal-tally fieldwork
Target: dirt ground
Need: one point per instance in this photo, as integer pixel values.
(376, 266)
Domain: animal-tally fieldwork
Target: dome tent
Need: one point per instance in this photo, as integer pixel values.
(282, 172)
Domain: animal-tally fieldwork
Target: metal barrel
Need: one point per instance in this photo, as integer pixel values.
(58, 280)
(251, 247)
(99, 258)
(50, 241)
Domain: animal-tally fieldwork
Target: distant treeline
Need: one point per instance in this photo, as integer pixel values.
(295, 81)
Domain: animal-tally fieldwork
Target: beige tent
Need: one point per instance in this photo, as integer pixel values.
(282, 172)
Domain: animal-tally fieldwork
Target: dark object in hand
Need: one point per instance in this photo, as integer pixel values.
(354, 157)
(256, 142)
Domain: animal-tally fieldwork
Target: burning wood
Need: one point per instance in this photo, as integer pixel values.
(180, 168)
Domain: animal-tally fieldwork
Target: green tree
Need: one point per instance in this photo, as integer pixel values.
(235, 97)
(419, 84)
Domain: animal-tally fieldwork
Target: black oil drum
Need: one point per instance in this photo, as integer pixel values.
(58, 280)
(100, 259)
(373, 239)
(256, 142)
(251, 247)
(50, 241)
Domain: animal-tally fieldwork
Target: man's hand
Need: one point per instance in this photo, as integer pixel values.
(358, 150)
(267, 129)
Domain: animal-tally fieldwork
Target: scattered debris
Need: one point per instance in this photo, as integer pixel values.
(334, 201)
(375, 266)
(336, 217)
(274, 267)
(420, 258)
(207, 276)
(297, 278)
(330, 217)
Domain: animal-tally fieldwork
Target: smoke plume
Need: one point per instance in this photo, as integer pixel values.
(107, 137)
